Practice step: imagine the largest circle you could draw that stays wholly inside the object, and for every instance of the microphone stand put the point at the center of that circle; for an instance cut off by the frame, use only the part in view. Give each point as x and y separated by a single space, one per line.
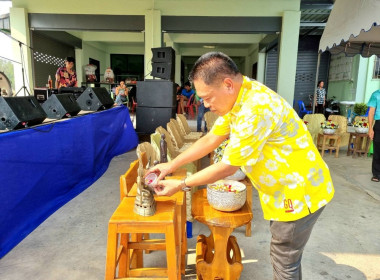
24 88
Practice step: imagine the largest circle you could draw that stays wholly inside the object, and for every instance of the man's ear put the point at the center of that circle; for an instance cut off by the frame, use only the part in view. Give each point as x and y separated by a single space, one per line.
229 85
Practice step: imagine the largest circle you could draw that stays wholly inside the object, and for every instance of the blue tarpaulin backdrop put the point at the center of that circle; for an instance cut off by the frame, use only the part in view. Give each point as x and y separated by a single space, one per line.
43 167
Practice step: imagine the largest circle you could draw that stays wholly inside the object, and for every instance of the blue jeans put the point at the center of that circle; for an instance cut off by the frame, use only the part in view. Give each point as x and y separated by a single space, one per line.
201 112
120 99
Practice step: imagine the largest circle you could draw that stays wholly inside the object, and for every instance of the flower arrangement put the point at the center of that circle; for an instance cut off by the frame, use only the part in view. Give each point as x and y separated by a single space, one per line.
329 125
361 123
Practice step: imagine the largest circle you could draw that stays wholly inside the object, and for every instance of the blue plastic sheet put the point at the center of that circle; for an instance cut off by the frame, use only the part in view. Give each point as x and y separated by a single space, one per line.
44 167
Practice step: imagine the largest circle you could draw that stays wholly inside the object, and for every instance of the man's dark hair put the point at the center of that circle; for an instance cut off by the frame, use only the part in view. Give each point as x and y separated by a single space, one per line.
70 59
213 66
187 84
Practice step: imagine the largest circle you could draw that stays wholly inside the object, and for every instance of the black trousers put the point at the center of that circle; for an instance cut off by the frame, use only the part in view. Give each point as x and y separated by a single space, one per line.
376 150
319 109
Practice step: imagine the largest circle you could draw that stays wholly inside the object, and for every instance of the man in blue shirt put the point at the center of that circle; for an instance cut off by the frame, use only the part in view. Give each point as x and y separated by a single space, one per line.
374 132
186 93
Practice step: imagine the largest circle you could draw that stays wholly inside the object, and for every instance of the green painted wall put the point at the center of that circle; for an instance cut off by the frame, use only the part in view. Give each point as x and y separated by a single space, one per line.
95 51
371 84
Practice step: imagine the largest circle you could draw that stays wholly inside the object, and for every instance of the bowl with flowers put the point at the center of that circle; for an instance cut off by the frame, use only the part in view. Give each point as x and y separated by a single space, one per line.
226 195
329 127
361 125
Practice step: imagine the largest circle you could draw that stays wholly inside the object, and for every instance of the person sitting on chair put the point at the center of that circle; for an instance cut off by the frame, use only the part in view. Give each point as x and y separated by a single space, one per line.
185 95
121 94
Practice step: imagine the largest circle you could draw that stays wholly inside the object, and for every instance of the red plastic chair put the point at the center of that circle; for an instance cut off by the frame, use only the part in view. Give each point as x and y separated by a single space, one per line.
134 105
191 106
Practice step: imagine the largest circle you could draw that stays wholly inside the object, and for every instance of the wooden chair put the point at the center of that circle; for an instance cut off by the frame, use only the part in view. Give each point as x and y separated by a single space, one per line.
172 147
128 179
178 141
184 126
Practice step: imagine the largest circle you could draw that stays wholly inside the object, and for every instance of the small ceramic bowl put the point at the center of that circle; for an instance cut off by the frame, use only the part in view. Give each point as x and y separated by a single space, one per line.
226 195
151 179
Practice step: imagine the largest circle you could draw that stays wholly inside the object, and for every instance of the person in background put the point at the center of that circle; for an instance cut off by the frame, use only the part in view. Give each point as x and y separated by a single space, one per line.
178 97
320 98
273 147
201 112
121 94
374 133
185 95
66 76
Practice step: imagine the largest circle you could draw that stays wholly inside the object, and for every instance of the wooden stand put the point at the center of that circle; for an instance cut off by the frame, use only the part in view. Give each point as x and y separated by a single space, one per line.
125 222
356 145
328 142
213 253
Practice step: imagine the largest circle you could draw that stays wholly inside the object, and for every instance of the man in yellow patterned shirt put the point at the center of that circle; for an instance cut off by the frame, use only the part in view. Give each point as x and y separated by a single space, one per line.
272 146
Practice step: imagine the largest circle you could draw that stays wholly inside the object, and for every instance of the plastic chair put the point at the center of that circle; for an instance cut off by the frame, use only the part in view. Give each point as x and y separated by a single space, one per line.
134 105
190 106
302 109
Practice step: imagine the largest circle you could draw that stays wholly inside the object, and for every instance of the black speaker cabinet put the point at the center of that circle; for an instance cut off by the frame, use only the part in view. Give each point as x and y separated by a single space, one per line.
20 112
165 55
94 99
149 118
156 93
60 106
163 70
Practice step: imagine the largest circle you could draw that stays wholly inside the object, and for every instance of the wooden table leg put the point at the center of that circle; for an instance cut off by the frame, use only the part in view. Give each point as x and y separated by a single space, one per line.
337 143
220 267
248 229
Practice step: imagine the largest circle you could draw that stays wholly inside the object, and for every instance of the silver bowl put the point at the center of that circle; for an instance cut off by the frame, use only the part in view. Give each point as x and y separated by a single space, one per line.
224 200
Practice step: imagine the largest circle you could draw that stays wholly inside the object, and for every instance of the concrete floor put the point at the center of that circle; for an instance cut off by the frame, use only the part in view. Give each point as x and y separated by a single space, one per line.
345 244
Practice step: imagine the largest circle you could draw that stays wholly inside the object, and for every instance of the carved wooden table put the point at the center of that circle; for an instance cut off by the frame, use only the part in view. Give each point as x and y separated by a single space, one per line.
324 142
360 144
213 253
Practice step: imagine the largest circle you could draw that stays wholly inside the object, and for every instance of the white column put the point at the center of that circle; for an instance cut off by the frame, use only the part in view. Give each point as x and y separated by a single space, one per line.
261 67
287 62
79 65
20 31
152 38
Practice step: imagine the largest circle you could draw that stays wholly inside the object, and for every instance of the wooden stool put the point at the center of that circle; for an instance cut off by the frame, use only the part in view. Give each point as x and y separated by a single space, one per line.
181 219
356 143
125 221
324 143
213 253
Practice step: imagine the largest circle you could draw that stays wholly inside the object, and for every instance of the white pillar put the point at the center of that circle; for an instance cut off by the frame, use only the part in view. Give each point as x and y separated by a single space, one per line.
79 65
152 38
287 63
20 31
261 67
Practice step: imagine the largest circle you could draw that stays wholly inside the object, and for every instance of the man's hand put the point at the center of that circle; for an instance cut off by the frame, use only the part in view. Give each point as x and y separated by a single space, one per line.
371 133
162 170
167 187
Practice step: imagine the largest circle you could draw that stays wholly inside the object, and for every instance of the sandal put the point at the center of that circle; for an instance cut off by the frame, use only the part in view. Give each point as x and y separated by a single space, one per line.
375 179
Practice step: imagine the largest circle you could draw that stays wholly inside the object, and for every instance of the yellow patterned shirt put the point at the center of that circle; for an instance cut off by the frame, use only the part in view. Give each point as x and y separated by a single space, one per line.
275 150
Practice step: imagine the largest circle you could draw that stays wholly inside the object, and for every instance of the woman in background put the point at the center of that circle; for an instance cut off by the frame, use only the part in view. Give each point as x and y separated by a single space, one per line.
121 94
320 98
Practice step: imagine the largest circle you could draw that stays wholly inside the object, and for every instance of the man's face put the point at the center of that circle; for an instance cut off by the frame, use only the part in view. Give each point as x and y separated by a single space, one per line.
187 88
69 65
215 96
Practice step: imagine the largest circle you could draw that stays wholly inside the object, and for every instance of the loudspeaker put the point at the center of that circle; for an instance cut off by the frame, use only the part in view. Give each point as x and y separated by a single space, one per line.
163 55
59 106
149 118
94 99
163 70
156 93
20 112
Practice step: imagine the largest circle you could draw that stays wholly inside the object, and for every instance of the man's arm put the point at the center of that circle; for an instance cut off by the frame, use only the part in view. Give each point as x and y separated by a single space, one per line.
199 149
371 117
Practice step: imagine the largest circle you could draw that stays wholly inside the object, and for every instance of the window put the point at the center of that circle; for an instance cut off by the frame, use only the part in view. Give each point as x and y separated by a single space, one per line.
376 69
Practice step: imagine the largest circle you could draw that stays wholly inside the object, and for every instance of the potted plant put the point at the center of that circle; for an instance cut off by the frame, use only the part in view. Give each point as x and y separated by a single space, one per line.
329 127
361 126
360 109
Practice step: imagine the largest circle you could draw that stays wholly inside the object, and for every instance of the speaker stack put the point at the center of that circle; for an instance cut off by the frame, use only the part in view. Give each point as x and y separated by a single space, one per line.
95 99
20 112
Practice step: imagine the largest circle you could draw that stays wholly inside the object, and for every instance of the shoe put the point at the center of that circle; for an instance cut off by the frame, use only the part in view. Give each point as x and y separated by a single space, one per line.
375 179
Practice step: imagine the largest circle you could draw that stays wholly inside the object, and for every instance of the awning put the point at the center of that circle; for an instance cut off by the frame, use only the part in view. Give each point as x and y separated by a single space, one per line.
353 28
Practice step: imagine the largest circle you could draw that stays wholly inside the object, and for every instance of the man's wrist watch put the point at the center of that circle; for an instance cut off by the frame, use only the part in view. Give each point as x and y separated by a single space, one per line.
183 185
